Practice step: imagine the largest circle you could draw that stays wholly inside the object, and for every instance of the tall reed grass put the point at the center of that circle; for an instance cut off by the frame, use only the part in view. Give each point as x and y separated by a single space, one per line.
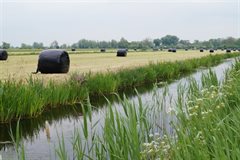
25 100
205 123
208 123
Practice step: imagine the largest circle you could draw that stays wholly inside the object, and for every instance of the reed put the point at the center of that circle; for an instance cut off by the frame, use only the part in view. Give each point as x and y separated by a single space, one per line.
205 123
27 100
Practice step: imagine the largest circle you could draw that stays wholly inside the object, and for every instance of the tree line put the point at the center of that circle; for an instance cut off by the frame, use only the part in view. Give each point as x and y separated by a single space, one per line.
168 41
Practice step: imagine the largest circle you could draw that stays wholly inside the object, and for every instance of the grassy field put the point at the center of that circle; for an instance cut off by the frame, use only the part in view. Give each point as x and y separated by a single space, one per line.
21 66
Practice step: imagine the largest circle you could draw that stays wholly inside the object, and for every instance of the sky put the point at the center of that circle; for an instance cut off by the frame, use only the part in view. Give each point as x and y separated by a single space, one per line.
67 21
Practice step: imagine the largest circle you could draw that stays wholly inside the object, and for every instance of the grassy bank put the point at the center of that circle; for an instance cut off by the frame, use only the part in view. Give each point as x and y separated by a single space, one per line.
205 126
210 128
20 99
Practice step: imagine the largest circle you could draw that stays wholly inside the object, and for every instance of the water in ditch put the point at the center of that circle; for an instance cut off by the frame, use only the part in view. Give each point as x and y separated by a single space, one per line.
63 121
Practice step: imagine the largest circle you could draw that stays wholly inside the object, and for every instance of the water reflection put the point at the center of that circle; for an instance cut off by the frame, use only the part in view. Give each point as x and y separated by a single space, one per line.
29 128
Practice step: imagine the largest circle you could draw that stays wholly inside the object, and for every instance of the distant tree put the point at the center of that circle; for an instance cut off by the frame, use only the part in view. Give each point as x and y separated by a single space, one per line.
75 45
92 44
215 43
169 40
5 45
184 44
114 44
230 42
164 42
148 43
83 43
54 44
63 46
237 43
123 43
197 44
134 45
37 45
157 42
25 46
145 44
103 44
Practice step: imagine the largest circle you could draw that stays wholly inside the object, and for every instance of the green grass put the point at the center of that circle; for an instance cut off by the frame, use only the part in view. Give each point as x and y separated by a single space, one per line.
25 100
206 125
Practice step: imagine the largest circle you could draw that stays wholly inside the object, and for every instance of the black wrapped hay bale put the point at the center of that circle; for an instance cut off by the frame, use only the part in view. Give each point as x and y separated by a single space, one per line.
73 49
228 50
3 55
174 50
170 50
201 50
186 49
102 50
122 53
211 50
53 61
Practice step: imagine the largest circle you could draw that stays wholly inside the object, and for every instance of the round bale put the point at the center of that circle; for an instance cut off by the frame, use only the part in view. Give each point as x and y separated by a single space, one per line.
73 49
174 50
211 50
228 50
102 50
122 53
170 50
3 55
201 50
53 61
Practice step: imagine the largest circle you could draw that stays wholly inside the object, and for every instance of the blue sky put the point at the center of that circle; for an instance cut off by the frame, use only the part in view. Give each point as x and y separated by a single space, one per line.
67 21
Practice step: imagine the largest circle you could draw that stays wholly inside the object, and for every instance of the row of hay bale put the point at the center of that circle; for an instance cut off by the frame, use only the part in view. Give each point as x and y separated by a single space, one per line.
58 61
201 50
49 61
55 61
103 50
172 50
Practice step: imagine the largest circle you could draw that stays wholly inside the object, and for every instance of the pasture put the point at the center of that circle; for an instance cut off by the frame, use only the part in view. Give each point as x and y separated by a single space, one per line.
20 66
